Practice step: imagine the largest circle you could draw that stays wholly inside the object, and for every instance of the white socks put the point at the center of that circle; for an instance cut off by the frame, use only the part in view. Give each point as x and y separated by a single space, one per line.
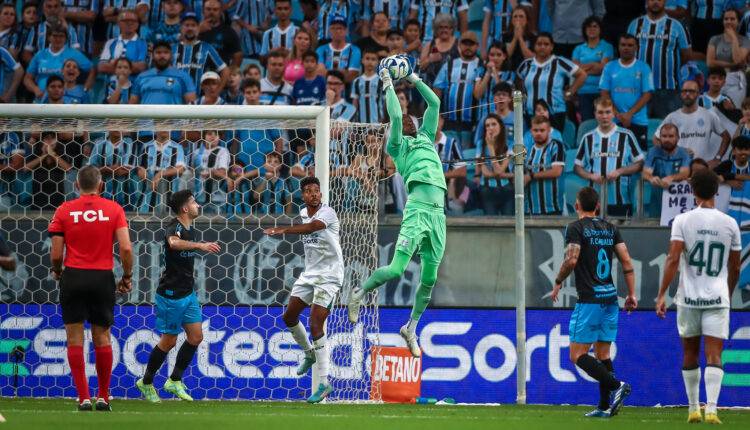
411 326
321 358
713 376
300 336
692 379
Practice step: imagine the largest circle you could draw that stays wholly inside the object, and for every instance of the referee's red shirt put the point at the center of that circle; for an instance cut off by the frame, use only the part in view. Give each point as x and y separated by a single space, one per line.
88 224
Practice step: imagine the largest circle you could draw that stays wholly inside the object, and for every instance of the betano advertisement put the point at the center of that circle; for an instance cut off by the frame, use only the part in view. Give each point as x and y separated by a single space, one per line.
468 355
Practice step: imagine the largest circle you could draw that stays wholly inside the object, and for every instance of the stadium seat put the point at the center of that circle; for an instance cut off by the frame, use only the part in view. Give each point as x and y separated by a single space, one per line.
476 16
570 158
584 128
653 124
569 135
571 184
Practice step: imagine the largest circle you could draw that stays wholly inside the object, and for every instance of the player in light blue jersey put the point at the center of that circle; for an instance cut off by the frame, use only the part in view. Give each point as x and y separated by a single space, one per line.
544 76
543 168
11 75
366 91
663 45
282 34
426 11
592 55
338 54
609 155
163 84
117 157
162 163
628 82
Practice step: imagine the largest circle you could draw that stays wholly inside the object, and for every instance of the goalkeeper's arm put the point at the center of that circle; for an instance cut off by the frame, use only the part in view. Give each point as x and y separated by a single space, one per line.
393 107
431 115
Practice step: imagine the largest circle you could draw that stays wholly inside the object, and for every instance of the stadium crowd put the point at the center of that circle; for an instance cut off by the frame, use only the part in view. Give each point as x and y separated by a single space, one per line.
617 94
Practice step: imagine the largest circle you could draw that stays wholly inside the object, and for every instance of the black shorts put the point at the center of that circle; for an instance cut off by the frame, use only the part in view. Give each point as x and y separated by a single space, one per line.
87 295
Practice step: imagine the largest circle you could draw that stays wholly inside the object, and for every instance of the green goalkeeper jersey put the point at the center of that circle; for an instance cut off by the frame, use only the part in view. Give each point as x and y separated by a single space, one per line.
415 157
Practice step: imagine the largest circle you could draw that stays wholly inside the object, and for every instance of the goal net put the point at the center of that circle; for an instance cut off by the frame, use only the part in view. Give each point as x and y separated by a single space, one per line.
244 165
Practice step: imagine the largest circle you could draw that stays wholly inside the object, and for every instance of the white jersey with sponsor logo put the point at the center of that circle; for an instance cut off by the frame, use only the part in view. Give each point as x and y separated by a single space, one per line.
323 257
709 235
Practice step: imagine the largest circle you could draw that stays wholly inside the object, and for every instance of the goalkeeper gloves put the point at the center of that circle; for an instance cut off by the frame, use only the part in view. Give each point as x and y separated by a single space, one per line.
385 76
412 77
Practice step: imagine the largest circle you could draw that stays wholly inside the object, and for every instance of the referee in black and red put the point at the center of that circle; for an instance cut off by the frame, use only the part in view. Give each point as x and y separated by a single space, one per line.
85 229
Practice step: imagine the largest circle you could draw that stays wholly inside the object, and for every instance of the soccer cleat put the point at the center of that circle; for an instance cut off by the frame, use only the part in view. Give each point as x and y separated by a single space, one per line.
85 406
321 393
411 341
148 391
355 302
103 405
306 364
619 397
178 389
694 417
598 413
712 419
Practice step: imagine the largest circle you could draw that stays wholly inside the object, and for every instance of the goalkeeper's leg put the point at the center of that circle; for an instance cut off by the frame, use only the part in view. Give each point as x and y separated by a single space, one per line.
421 300
379 277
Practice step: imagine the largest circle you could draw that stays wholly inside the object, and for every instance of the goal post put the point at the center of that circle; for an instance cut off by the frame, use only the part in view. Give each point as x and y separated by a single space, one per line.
247 352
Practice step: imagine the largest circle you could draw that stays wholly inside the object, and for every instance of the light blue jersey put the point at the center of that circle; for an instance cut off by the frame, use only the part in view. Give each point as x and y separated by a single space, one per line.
660 44
428 9
396 10
545 195
8 67
45 63
585 54
83 31
274 38
456 79
135 49
367 91
546 81
347 58
626 84
166 87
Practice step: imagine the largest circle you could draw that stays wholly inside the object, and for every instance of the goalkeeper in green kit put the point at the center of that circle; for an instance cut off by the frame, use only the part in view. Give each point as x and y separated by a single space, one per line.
423 223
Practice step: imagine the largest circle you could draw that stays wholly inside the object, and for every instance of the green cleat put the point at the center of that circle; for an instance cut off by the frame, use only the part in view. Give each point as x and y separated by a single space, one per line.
306 364
148 391
323 391
178 389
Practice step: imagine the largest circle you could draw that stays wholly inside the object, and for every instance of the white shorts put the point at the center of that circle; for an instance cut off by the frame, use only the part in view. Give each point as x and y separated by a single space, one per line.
311 291
692 322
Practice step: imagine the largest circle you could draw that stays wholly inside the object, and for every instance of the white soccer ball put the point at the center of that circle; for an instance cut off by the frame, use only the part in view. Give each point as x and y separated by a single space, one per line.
398 66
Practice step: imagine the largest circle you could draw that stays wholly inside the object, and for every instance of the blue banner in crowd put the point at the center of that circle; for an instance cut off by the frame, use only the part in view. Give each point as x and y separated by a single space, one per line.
468 355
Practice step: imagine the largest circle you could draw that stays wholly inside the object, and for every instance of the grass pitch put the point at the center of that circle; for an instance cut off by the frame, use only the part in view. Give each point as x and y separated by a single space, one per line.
60 414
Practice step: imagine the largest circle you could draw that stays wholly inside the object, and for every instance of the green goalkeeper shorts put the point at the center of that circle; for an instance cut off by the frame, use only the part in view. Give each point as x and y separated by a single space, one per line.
423 227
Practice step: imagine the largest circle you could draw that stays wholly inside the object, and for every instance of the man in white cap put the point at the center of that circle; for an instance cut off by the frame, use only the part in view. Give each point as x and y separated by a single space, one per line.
210 89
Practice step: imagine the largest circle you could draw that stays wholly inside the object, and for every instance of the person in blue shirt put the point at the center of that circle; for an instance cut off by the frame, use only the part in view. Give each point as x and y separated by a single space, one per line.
311 88
628 82
494 72
494 176
117 158
11 75
127 45
609 155
38 38
366 92
282 34
329 11
341 110
254 18
397 12
80 15
195 56
119 85
542 171
163 84
502 106
339 54
169 28
162 163
664 45
75 93
541 108
665 165
49 61
544 76
591 56
426 10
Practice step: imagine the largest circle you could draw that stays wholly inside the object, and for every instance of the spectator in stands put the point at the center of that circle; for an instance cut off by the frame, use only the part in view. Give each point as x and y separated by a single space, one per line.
413 38
8 34
13 153
492 74
274 90
729 50
378 38
735 172
29 21
519 38
543 169
678 9
294 69
713 97
427 11
49 165
609 155
161 165
37 39
149 87
706 22
569 18
664 45
743 128
327 12
49 61
628 82
54 92
541 108
665 164
395 42
502 106
440 49
494 176
696 126
117 157
119 85
11 75
127 45
367 96
80 15
270 189
194 56
168 29
311 88
496 21
338 54
219 33
232 92
210 180
340 109
210 90
252 71
455 85
282 34
75 93
591 56
544 77
396 11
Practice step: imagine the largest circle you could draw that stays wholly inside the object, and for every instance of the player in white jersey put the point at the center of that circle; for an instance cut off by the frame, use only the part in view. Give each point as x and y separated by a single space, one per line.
318 284
706 244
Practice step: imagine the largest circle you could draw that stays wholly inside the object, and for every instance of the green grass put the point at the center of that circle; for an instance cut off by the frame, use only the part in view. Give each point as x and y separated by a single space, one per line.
60 414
